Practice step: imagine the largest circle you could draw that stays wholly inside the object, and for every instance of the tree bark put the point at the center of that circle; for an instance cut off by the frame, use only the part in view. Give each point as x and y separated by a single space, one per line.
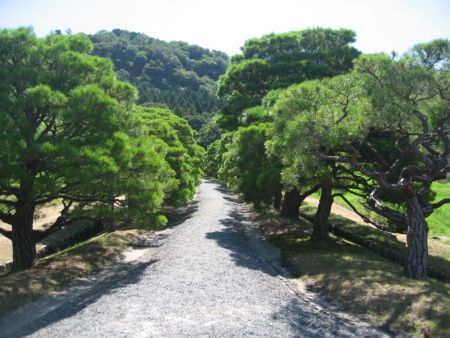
291 204
416 238
320 230
110 220
24 246
277 200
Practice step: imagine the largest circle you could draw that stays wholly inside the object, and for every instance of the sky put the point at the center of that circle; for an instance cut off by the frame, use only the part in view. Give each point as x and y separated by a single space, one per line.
380 25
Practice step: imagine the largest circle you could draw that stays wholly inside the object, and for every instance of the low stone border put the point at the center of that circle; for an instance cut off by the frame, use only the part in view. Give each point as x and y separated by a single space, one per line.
381 250
65 238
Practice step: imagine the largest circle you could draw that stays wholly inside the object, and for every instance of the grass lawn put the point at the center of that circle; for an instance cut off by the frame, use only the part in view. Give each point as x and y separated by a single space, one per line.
438 251
438 222
361 282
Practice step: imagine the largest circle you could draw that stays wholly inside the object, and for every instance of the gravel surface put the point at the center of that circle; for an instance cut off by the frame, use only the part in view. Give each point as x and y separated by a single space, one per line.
206 275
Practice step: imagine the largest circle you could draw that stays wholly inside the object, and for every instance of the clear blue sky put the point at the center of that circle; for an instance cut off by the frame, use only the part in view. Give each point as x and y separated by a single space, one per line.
380 25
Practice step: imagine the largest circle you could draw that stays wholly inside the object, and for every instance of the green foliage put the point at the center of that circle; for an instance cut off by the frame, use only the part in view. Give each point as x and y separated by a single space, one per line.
246 166
280 60
182 153
438 219
392 111
60 113
307 121
214 155
173 75
209 133
252 84
70 130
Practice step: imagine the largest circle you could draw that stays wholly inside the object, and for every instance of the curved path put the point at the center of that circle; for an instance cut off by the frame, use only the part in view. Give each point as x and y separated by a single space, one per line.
207 276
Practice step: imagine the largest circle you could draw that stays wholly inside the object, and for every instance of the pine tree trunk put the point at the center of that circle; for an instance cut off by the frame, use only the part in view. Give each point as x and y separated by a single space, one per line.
24 246
320 230
277 200
111 221
291 204
417 241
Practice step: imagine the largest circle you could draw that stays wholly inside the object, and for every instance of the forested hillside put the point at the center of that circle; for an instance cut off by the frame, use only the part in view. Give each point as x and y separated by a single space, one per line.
172 75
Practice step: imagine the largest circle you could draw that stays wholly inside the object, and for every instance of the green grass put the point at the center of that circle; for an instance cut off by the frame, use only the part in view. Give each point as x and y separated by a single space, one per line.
439 255
438 222
359 281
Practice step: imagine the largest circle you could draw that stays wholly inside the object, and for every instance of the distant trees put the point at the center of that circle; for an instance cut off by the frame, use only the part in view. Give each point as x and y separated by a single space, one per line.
70 131
173 75
279 60
252 85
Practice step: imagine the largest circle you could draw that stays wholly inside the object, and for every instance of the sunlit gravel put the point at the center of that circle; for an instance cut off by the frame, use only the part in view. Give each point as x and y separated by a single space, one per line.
200 277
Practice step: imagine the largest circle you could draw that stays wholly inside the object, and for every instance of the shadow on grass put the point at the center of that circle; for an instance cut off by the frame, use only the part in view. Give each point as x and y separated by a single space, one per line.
272 224
363 283
439 263
375 287
56 271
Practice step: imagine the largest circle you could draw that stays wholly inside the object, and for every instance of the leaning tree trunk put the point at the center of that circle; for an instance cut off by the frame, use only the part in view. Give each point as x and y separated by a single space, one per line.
291 204
417 241
320 230
24 246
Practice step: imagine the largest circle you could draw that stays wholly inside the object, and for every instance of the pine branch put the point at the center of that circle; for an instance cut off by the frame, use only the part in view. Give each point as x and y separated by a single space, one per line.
375 204
6 233
6 218
440 203
7 202
363 217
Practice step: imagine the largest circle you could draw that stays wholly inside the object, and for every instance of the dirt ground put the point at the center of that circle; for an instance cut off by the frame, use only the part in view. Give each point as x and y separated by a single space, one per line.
338 210
44 218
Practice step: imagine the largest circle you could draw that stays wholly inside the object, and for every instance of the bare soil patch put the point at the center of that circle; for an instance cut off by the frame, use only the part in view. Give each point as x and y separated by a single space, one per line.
344 212
43 219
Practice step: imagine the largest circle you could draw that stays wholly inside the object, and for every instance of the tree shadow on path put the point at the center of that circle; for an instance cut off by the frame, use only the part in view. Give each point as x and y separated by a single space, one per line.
234 236
107 282
182 214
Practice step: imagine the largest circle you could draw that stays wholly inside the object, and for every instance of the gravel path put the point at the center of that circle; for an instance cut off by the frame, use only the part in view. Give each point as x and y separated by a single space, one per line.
207 275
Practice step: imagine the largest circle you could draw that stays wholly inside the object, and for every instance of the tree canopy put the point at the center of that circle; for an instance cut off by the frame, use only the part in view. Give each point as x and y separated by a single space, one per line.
70 131
388 120
182 153
279 60
379 130
253 83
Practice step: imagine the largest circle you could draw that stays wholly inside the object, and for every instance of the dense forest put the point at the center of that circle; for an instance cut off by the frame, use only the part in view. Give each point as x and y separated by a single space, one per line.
172 75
